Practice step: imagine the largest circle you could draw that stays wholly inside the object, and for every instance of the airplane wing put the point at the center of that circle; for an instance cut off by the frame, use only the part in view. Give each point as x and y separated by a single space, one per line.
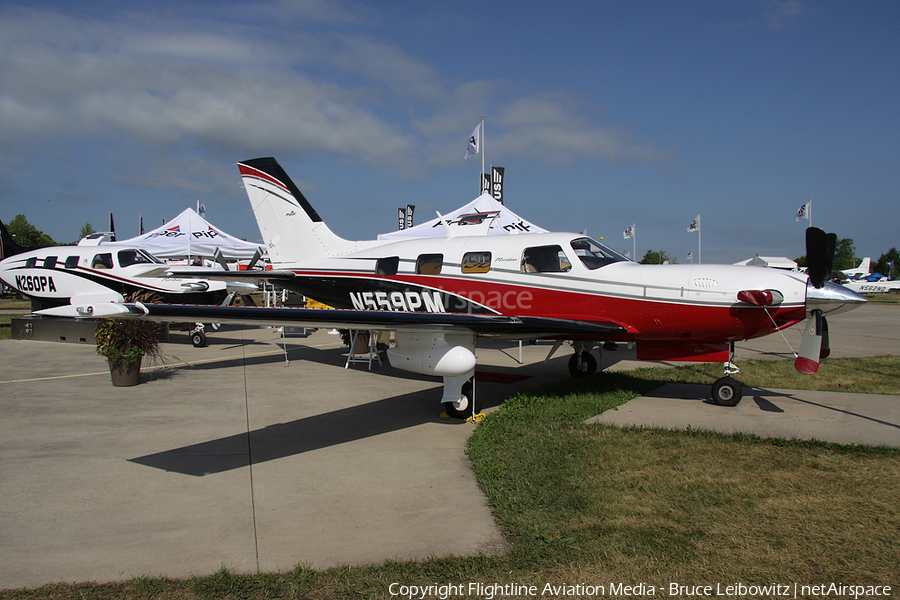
485 325
219 274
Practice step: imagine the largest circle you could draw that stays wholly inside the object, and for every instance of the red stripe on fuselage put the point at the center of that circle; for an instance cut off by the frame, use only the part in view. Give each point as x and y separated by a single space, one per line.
644 319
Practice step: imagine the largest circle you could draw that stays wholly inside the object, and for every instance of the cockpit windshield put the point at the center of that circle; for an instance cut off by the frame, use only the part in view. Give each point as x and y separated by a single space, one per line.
134 256
594 254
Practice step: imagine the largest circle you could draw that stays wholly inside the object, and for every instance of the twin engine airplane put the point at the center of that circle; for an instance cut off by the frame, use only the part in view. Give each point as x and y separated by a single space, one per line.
61 276
439 295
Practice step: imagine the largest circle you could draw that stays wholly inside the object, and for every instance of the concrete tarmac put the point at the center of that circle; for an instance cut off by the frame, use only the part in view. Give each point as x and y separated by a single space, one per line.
232 456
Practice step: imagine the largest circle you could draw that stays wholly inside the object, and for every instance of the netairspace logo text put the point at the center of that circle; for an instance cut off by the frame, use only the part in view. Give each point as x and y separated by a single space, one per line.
490 591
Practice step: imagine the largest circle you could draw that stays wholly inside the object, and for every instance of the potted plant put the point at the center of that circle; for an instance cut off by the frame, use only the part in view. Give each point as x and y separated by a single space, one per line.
124 342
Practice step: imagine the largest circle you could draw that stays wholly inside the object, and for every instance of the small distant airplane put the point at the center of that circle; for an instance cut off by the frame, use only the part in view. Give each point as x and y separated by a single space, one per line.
863 283
438 295
59 276
863 286
864 268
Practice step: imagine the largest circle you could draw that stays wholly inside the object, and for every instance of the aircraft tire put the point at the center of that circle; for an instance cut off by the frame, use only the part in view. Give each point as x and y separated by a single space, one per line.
463 408
727 392
198 339
587 367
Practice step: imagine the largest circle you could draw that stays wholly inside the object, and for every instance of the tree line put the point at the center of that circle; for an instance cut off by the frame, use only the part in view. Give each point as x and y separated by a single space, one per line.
28 236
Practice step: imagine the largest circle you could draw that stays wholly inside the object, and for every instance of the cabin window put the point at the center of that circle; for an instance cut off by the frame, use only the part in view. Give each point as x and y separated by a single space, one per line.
476 262
50 262
387 266
545 259
594 254
71 262
102 261
429 264
134 257
31 262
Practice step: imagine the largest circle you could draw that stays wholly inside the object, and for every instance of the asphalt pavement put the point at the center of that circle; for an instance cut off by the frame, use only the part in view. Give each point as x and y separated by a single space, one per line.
259 453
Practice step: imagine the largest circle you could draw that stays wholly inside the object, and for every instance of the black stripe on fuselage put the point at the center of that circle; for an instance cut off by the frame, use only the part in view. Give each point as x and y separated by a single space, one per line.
117 284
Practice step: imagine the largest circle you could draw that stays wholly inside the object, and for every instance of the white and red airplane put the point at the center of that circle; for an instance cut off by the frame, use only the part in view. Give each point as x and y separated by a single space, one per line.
438 295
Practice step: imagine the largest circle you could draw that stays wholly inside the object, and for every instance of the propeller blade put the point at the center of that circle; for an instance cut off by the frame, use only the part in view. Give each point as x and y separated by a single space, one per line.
816 256
217 255
830 247
811 346
256 256
825 352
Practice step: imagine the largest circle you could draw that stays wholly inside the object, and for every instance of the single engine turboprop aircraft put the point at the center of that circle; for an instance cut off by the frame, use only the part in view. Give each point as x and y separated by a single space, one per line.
438 295
59 276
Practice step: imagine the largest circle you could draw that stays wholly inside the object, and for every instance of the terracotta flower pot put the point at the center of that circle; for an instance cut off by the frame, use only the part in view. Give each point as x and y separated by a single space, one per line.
125 373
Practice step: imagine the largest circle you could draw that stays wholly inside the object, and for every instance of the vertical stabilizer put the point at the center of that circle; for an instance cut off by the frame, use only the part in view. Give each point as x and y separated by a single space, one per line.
8 246
865 267
291 228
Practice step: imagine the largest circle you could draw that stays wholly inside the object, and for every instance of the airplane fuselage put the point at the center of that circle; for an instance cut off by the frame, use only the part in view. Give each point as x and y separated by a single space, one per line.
60 275
555 276
861 286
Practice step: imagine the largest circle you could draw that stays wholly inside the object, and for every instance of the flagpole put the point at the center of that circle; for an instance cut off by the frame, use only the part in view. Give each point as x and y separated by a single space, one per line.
634 242
699 241
482 150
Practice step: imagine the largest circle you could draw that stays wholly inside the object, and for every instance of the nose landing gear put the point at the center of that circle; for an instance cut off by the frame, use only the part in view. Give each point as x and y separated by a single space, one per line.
727 391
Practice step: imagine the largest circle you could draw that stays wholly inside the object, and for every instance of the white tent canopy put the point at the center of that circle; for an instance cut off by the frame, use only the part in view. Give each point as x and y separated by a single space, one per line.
191 236
776 262
506 222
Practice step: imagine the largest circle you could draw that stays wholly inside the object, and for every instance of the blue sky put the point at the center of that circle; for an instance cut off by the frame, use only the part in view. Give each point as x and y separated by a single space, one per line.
603 113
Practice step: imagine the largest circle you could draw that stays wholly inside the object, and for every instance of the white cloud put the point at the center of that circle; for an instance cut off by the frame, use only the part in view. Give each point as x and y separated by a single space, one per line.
161 85
782 13
169 81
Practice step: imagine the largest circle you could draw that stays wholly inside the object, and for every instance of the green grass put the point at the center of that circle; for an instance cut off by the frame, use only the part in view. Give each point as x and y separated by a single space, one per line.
892 298
598 505
870 375
6 320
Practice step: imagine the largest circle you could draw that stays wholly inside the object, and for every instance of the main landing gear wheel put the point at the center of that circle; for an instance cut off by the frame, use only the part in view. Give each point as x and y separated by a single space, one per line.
582 365
727 392
198 339
462 408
